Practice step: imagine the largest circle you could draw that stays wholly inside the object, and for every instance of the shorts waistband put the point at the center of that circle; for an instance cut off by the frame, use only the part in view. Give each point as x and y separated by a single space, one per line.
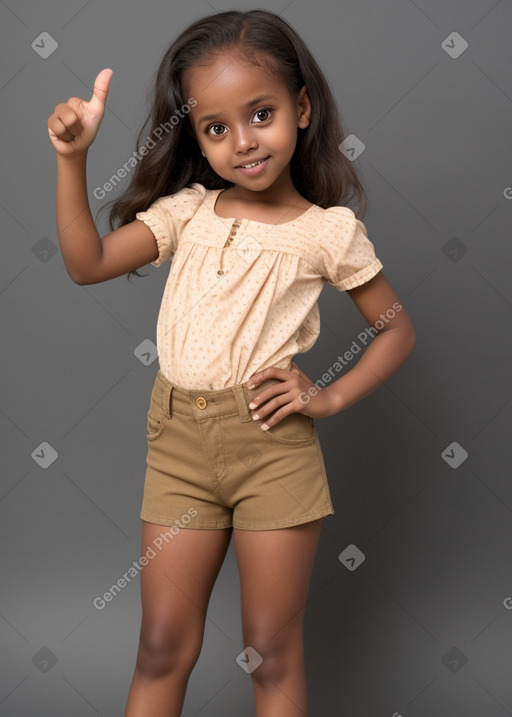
208 403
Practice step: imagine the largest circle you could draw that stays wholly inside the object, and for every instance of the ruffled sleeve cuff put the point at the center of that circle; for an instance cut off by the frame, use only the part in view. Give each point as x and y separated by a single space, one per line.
360 277
155 219
347 255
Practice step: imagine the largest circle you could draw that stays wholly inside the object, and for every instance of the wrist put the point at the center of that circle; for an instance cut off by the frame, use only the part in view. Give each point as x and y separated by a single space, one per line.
68 159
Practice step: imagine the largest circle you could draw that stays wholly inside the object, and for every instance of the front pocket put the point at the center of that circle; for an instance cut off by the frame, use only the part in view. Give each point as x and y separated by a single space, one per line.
297 429
155 426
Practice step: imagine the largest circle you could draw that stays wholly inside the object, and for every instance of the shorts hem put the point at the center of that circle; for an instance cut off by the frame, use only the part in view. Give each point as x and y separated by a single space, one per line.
174 522
259 525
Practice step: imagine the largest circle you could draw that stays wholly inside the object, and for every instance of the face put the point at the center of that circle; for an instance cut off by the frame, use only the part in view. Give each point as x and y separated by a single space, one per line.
246 127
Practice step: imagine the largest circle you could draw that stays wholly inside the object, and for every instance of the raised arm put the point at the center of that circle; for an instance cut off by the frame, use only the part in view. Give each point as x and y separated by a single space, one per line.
88 258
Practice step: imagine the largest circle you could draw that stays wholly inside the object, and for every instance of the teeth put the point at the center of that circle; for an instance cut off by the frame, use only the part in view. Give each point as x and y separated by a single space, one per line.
254 164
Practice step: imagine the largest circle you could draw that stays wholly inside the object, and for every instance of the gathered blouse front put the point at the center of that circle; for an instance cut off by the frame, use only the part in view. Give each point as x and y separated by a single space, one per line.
241 295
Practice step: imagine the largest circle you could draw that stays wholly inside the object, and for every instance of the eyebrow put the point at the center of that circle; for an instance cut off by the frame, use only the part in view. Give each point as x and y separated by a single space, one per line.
251 103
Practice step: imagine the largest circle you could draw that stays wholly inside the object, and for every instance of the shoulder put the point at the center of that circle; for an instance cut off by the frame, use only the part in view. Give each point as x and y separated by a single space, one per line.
169 214
189 195
346 255
338 217
195 189
339 225
176 208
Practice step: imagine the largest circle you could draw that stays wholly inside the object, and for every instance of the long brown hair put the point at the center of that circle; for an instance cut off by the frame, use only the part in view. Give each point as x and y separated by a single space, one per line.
319 170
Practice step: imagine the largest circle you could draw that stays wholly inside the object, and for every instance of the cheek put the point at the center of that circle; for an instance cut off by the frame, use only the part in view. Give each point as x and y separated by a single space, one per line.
215 154
284 134
284 145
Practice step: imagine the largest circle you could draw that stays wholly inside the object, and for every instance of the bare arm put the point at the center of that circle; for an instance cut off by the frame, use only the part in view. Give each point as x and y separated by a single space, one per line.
389 349
88 259
79 240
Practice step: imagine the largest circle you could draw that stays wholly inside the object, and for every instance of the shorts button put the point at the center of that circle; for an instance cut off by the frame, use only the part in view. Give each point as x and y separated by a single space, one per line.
201 402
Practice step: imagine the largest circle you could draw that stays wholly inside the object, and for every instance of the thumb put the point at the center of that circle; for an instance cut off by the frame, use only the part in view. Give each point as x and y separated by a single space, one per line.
295 369
101 85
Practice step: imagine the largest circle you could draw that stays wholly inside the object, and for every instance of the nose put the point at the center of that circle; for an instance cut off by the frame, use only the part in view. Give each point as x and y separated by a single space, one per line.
244 139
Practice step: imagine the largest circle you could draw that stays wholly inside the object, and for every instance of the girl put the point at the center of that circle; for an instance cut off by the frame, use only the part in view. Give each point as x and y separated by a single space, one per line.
242 183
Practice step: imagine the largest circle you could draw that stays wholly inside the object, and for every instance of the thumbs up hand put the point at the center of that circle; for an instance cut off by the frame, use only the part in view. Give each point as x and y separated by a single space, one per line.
74 124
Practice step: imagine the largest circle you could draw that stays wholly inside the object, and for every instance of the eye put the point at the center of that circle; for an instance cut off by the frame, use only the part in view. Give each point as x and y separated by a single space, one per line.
212 126
267 110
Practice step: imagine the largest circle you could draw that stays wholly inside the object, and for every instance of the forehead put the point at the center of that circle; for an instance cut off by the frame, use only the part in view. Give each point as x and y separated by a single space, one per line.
227 82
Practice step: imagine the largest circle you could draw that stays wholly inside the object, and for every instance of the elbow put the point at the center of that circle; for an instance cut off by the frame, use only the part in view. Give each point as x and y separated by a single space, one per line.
75 276
405 338
80 280
77 279
410 340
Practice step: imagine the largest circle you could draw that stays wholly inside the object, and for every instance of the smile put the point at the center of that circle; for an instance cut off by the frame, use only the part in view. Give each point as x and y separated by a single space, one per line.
253 164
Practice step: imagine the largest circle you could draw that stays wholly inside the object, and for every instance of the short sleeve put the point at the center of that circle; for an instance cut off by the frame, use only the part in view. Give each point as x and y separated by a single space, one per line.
347 255
167 216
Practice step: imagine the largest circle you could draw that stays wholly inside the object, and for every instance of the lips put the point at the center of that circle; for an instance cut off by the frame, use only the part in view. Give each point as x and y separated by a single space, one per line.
252 161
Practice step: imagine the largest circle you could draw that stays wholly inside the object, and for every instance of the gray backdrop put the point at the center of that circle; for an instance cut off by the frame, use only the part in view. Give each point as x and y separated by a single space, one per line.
421 626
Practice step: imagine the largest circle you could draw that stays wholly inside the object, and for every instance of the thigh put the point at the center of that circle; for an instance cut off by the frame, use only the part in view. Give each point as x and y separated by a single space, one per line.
275 571
176 583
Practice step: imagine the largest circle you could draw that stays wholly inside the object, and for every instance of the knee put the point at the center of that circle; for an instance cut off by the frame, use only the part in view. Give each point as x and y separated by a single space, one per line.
162 652
280 656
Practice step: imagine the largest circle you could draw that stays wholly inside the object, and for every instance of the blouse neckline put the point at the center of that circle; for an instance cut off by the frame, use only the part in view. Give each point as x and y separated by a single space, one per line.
215 194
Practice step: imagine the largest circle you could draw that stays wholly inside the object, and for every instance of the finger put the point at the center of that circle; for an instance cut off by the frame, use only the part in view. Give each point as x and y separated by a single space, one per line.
59 129
273 419
270 372
101 87
262 405
66 116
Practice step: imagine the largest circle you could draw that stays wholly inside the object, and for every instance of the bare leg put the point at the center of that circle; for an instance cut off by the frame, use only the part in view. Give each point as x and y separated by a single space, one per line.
275 571
175 588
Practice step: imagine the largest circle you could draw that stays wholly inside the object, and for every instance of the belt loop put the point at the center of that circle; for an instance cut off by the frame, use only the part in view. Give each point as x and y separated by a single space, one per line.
243 409
167 400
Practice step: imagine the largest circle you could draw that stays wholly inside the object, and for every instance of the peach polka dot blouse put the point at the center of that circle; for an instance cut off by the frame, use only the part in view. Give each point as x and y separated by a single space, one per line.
241 295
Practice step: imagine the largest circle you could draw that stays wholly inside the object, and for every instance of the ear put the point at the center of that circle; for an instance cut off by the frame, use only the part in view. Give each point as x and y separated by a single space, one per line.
303 108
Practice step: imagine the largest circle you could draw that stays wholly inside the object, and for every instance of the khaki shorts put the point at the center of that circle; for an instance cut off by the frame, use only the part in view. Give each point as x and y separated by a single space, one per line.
209 464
